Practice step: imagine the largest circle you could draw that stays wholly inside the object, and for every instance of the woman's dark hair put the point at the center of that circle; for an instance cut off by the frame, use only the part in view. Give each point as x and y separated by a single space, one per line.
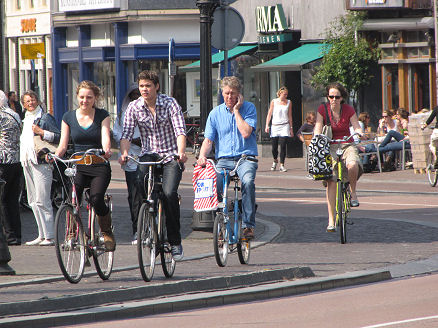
338 86
403 113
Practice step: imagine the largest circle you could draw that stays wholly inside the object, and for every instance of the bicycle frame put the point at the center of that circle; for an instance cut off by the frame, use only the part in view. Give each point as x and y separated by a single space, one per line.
233 233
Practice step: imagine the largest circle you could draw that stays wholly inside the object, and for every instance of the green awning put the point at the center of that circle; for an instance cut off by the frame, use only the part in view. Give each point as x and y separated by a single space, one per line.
293 60
219 57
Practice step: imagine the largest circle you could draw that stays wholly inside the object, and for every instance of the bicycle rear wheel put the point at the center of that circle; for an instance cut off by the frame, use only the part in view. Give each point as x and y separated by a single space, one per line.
70 244
167 261
340 212
103 261
432 173
146 242
220 239
243 245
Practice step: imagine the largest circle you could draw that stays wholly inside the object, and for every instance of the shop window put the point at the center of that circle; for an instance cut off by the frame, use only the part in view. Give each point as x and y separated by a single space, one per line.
387 53
424 52
412 52
411 36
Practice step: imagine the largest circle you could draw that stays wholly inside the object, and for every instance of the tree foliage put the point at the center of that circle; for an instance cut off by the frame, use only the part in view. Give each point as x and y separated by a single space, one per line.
349 56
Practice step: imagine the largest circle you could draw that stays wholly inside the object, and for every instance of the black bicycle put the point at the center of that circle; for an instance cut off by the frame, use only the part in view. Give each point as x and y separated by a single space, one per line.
151 226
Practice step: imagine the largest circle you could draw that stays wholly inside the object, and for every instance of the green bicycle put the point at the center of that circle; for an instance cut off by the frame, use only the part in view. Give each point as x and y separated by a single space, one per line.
343 196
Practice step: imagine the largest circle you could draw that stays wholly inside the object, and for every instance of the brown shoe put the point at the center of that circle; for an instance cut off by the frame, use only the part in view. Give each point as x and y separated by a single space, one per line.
109 241
248 233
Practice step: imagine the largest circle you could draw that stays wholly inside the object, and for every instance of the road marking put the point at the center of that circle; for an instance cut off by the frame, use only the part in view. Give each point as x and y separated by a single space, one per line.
304 200
402 321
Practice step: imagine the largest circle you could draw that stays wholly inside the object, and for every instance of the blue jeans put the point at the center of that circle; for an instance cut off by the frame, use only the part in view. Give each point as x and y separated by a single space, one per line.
387 146
246 173
172 173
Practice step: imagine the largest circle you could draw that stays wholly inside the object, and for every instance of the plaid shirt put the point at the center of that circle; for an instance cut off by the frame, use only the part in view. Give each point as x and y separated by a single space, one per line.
10 130
158 134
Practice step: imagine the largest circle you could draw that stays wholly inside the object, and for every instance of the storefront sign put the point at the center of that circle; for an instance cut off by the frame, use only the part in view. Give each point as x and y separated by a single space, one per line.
32 51
362 4
274 38
28 25
270 19
81 5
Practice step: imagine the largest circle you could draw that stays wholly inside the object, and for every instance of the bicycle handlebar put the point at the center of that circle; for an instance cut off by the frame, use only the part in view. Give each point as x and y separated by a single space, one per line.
344 139
92 151
233 171
161 161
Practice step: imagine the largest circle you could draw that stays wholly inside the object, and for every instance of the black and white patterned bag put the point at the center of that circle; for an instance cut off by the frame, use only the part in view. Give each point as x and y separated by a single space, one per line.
320 160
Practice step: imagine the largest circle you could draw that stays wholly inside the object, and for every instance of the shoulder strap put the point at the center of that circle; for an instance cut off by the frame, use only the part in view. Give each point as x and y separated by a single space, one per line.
327 115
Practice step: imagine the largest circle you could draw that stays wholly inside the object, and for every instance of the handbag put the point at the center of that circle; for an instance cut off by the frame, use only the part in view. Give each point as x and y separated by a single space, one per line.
320 159
327 128
43 146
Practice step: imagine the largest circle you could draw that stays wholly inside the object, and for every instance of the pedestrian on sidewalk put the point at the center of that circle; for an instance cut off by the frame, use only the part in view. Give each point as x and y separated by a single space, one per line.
280 111
341 116
130 168
37 173
5 255
89 127
10 171
162 132
231 127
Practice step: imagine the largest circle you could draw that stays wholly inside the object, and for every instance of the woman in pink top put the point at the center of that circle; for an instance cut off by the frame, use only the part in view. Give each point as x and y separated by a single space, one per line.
341 116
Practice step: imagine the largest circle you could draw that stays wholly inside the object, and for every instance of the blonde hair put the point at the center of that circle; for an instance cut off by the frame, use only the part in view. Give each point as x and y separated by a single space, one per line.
282 89
90 86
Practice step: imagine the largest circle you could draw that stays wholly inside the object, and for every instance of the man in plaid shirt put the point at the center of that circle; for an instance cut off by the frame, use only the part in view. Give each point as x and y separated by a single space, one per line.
162 132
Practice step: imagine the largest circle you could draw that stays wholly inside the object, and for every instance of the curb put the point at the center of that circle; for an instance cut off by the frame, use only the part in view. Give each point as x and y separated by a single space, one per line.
195 301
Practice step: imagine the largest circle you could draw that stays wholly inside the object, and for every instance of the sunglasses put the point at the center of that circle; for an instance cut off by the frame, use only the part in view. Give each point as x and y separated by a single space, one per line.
336 97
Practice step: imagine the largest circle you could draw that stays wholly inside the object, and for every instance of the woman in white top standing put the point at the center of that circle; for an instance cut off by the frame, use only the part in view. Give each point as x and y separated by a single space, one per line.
280 111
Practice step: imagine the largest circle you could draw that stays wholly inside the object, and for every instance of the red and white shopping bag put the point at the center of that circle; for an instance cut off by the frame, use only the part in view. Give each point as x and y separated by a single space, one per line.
204 185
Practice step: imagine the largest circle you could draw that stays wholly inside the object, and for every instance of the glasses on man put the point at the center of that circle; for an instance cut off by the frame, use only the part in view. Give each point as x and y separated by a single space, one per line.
384 116
335 97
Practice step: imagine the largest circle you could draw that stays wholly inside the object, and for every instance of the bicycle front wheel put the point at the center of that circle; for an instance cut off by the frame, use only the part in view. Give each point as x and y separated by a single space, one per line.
340 212
243 245
103 260
146 242
432 173
220 239
70 244
167 261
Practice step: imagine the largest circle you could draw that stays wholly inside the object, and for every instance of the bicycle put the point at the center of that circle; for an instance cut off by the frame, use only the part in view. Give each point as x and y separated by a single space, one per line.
72 243
151 226
227 228
343 196
432 172
194 137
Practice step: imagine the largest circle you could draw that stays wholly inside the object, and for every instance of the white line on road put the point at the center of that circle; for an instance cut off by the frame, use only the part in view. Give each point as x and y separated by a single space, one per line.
304 200
402 321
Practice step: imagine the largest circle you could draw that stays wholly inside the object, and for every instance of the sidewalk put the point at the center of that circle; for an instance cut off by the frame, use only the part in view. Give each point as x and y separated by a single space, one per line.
280 244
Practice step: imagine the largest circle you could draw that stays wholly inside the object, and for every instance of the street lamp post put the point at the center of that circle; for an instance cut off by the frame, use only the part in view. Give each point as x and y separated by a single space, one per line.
206 8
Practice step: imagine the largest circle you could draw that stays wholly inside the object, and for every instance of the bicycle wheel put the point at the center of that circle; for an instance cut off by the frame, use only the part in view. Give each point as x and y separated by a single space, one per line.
70 244
243 245
146 242
167 261
340 213
432 173
220 239
103 261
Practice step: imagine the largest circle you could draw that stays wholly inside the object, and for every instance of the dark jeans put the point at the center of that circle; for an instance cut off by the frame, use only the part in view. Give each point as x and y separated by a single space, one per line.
5 255
172 174
134 198
9 203
282 141
97 177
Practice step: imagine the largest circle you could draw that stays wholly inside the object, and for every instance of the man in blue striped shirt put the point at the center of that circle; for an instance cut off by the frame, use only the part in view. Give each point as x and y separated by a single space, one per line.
162 132
231 127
